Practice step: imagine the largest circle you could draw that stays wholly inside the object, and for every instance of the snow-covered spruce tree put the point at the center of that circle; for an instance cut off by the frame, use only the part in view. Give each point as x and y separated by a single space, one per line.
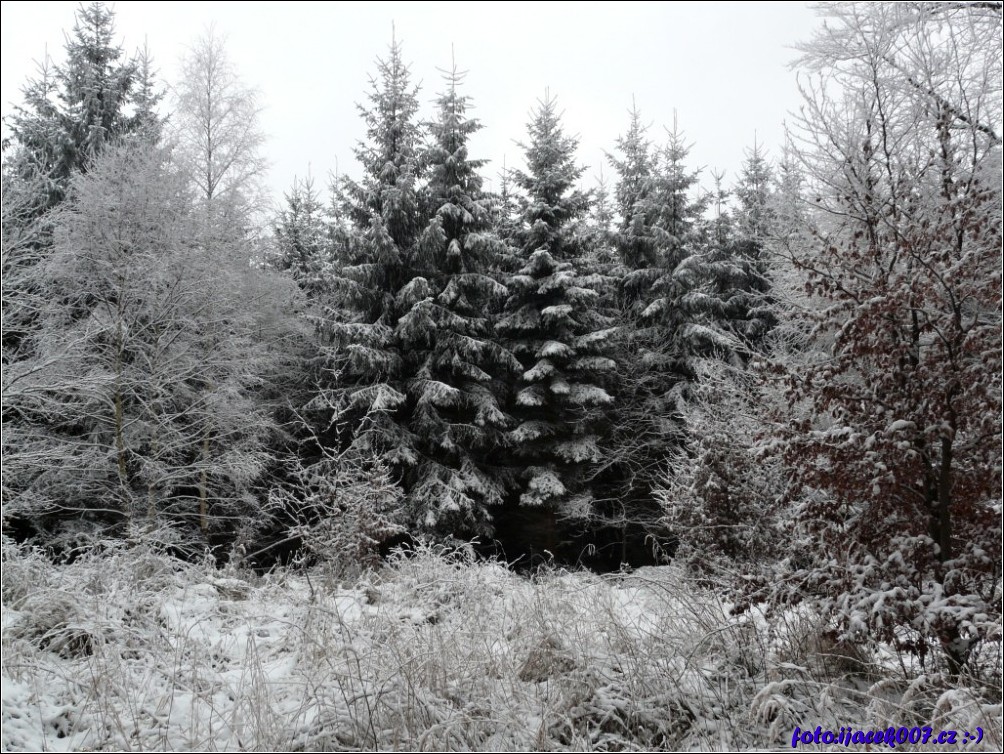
552 325
657 239
456 417
719 495
504 205
750 316
372 348
755 213
896 467
634 168
601 235
674 219
301 236
137 405
412 326
146 98
72 111
69 112
731 296
33 159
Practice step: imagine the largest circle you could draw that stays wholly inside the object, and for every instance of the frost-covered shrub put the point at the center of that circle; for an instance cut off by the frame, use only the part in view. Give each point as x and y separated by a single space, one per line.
343 506
25 569
896 467
721 495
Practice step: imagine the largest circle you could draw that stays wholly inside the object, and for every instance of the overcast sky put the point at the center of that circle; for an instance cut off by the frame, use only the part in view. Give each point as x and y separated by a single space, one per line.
722 67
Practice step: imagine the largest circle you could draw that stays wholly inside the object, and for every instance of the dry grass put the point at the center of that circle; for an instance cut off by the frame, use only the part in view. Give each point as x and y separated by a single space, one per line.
132 651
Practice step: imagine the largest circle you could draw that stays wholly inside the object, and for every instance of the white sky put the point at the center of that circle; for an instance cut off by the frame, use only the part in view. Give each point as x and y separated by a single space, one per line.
721 66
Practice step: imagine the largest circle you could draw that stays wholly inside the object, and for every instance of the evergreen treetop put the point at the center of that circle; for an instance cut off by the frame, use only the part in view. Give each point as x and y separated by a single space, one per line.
74 109
553 326
548 183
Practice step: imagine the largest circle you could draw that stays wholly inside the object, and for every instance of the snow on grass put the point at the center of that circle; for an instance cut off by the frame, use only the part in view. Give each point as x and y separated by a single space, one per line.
130 650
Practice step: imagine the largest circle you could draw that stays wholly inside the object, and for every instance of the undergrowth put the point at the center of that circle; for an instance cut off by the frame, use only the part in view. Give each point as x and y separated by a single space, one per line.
131 650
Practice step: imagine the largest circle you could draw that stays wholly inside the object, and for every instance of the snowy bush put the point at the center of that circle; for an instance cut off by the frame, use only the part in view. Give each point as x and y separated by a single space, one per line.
343 507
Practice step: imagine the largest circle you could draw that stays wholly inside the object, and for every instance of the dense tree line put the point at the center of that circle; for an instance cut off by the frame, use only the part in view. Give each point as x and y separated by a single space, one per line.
811 355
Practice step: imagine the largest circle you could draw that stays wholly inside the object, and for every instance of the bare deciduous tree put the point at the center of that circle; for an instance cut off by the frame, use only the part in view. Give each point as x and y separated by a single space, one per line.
217 124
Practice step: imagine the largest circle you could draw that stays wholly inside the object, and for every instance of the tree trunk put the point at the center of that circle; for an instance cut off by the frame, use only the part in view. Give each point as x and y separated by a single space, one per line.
203 484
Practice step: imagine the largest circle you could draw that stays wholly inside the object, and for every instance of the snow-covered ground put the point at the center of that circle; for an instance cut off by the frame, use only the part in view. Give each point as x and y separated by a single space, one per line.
131 650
